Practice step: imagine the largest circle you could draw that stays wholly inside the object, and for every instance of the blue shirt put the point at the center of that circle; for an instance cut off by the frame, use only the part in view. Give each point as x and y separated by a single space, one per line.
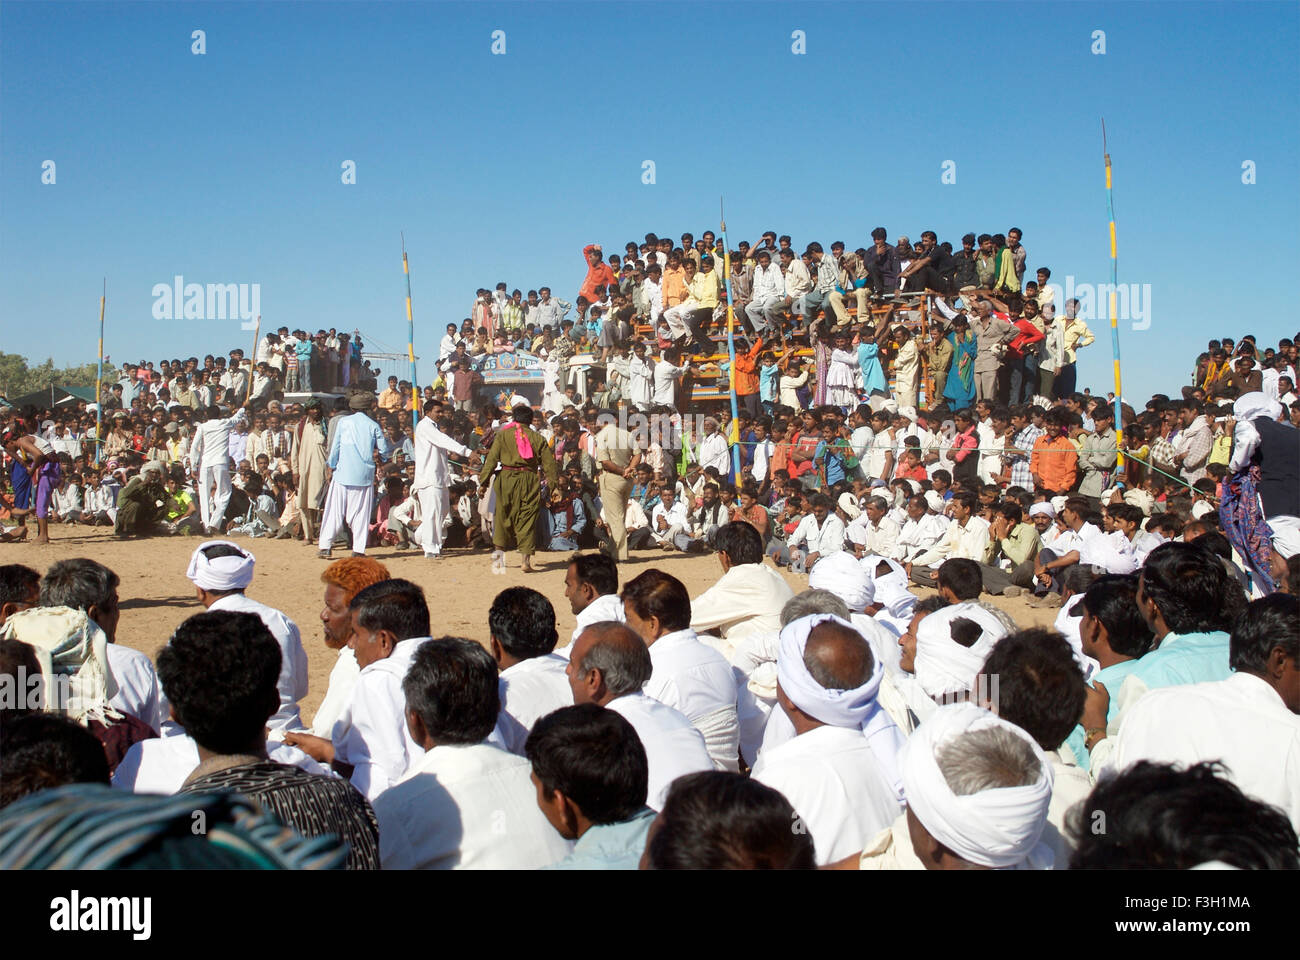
768 379
352 451
1184 658
834 463
1111 678
610 846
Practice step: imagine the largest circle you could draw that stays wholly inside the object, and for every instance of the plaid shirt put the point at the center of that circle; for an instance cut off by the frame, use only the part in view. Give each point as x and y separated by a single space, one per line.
1020 473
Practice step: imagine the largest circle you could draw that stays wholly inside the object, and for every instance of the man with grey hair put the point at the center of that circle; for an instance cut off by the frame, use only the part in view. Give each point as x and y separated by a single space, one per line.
992 333
609 665
875 531
82 584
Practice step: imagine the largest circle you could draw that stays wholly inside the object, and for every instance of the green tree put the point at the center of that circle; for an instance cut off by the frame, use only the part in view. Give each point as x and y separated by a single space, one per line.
18 377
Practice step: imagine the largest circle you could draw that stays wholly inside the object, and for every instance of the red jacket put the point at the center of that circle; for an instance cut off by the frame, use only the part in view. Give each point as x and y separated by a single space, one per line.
1028 336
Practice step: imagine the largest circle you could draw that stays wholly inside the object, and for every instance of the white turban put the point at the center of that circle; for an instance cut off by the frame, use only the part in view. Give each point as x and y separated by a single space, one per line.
849 504
1251 406
999 827
1058 503
840 708
944 666
1043 509
891 589
223 573
1201 507
935 501
1286 535
842 575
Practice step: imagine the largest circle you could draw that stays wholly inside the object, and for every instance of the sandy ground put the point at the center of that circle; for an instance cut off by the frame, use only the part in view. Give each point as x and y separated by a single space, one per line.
156 597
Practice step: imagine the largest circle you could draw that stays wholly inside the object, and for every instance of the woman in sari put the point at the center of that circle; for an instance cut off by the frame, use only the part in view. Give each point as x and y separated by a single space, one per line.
960 389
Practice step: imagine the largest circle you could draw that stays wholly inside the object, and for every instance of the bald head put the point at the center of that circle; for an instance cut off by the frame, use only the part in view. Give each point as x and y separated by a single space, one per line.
608 660
838 657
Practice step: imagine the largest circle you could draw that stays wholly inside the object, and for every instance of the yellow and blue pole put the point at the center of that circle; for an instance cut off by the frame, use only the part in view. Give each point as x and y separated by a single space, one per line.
410 339
731 345
99 379
1114 316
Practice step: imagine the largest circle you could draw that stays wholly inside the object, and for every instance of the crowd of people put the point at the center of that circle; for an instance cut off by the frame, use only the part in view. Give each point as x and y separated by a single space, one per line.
892 713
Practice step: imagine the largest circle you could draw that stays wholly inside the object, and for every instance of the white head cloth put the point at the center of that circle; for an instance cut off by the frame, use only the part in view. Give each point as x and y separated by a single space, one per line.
840 708
1286 535
1043 509
223 573
999 828
891 589
68 644
943 665
1250 406
842 575
935 501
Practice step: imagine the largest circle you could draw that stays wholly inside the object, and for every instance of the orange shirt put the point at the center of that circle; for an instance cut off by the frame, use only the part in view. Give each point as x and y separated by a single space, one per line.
1056 463
674 287
747 370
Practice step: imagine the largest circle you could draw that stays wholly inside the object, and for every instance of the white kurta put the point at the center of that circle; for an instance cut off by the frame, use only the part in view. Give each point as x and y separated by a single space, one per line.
697 681
608 606
830 777
531 689
293 658
465 808
377 743
673 747
162 765
337 706
746 599
1240 721
432 477
139 692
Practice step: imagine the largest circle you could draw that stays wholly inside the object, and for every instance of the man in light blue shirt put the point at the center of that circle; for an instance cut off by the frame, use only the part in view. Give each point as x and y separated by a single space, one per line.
351 463
591 774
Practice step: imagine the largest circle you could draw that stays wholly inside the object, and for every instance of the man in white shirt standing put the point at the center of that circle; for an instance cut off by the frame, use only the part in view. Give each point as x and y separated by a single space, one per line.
666 376
841 770
211 451
521 626
609 666
432 476
220 572
465 804
688 675
1248 722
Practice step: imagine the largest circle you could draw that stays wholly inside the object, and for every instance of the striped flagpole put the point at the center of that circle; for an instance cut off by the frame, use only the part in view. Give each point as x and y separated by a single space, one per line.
410 339
731 342
99 379
1114 316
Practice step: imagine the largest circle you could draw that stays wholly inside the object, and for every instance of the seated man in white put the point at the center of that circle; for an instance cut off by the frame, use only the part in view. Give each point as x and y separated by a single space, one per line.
1248 722
591 587
747 598
390 620
978 789
521 626
609 667
688 675
221 571
464 804
840 770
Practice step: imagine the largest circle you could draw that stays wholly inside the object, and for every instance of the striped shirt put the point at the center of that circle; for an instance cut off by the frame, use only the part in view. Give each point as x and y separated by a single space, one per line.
1020 473
311 804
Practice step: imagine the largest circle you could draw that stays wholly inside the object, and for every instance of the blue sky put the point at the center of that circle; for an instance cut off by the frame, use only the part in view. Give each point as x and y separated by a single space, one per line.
225 167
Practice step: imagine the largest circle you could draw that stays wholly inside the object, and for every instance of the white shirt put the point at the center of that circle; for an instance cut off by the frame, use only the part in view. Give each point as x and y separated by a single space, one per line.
695 679
665 375
918 536
769 284
746 599
337 706
608 606
161 765
673 747
881 540
376 742
881 445
763 450
676 517
715 453
293 658
821 540
211 445
967 542
431 449
830 777
530 689
860 440
466 808
1241 721
138 691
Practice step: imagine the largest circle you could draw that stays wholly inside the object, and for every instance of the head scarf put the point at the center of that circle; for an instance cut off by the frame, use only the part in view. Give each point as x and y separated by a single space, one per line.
891 589
1043 509
223 573
999 828
68 644
849 504
840 708
934 500
842 575
944 666
1286 535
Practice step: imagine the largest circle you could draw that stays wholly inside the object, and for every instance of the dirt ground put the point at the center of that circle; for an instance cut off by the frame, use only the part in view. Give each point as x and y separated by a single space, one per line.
156 597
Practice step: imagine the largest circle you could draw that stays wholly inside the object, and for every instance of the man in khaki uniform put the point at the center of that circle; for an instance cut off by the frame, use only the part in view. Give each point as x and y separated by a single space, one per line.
617 457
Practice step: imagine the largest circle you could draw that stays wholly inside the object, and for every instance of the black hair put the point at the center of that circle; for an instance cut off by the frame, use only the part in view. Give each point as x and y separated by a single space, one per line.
1192 591
43 751
1040 688
724 821
80 583
597 569
397 606
594 757
220 672
523 622
1156 816
17 583
1011 510
1265 624
962 577
452 687
740 542
656 594
1112 599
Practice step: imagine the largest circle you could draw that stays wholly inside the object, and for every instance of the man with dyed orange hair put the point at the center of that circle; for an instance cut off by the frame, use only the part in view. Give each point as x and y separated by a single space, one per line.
343 580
